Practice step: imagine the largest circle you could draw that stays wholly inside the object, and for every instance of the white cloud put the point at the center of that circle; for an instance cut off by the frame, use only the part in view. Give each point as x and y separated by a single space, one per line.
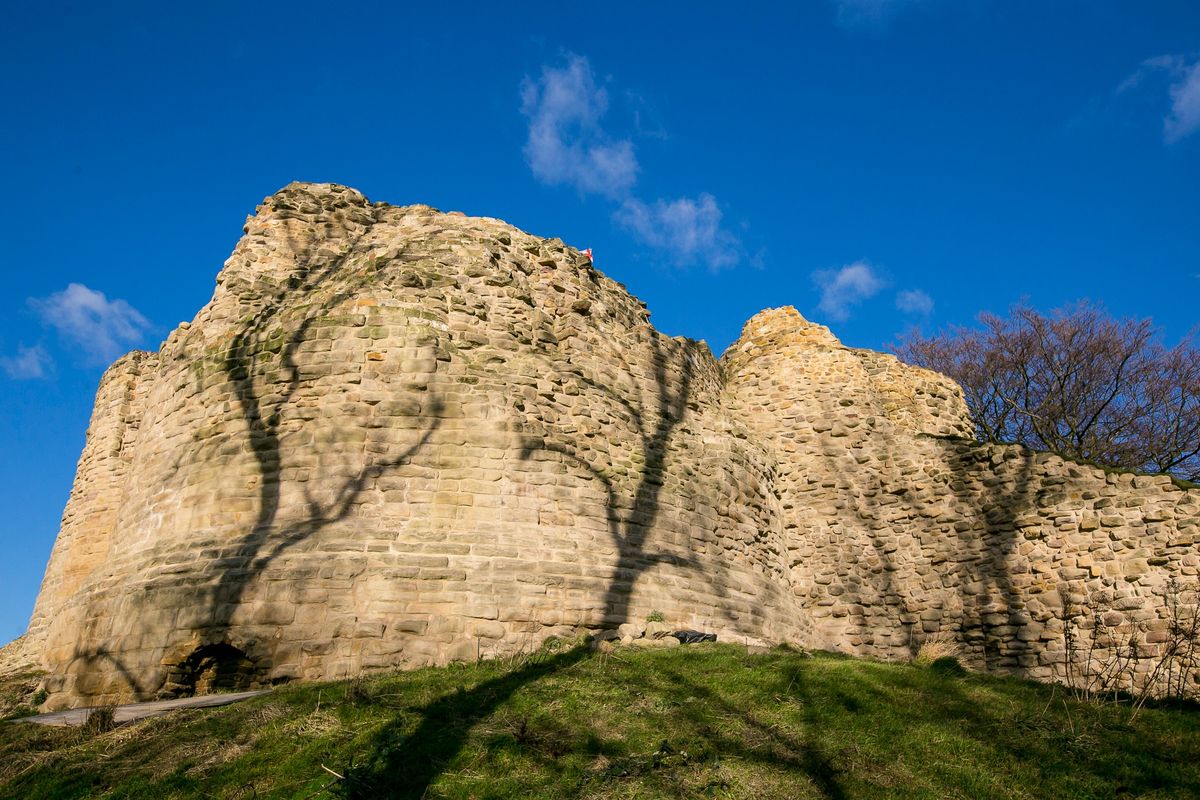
566 143
1183 118
846 287
914 301
689 229
28 363
103 328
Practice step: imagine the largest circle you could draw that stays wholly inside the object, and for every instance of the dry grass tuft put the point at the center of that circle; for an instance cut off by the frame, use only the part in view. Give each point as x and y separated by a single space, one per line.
261 717
130 732
318 723
213 757
99 720
939 645
19 694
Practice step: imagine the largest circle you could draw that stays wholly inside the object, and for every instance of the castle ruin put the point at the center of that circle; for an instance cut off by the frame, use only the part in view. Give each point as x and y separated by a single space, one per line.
397 437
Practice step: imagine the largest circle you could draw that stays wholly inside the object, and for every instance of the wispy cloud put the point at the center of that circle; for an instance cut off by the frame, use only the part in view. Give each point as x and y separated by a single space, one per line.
689 229
842 289
914 301
102 328
567 144
1183 91
1147 68
27 364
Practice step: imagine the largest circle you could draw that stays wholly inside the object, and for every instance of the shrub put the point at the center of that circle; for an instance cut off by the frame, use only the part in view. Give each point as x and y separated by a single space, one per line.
1112 661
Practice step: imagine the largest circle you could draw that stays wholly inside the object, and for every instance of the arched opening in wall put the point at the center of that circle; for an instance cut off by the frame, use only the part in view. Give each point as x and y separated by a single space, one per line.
213 668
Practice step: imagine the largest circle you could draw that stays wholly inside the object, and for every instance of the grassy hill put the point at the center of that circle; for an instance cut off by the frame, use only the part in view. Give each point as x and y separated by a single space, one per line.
695 721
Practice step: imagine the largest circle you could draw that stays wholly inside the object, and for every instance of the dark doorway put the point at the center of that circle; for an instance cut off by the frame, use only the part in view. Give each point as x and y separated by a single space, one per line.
213 668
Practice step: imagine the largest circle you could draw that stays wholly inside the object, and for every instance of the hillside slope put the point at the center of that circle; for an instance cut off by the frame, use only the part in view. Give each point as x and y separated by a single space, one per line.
696 721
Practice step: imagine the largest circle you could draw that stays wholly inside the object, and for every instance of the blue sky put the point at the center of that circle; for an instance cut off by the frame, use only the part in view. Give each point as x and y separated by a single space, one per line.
878 164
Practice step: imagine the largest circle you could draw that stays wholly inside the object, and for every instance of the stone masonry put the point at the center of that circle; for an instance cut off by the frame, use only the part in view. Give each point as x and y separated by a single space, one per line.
398 437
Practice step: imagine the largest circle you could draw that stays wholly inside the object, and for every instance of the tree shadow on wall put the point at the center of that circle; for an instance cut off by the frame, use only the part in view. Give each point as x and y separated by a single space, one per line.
85 659
265 346
863 493
263 406
994 619
403 765
918 543
977 568
628 531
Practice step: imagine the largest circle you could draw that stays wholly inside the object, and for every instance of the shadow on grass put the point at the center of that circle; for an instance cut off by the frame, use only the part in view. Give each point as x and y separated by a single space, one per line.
986 734
776 747
404 766
717 728
709 721
842 729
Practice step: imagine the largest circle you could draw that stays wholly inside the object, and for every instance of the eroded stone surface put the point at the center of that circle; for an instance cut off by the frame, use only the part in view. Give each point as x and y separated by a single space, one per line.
401 437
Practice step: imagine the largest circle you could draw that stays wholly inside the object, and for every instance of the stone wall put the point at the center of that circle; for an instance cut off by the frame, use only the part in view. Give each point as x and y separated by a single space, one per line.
900 527
398 437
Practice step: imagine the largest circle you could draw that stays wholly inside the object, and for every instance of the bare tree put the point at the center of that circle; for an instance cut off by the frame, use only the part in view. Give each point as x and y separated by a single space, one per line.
1077 382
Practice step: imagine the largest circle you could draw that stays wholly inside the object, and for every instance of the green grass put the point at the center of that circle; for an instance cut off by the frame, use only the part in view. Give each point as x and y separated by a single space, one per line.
696 721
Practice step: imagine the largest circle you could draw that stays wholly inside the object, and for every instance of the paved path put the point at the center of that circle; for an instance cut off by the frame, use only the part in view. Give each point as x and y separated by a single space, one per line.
134 711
